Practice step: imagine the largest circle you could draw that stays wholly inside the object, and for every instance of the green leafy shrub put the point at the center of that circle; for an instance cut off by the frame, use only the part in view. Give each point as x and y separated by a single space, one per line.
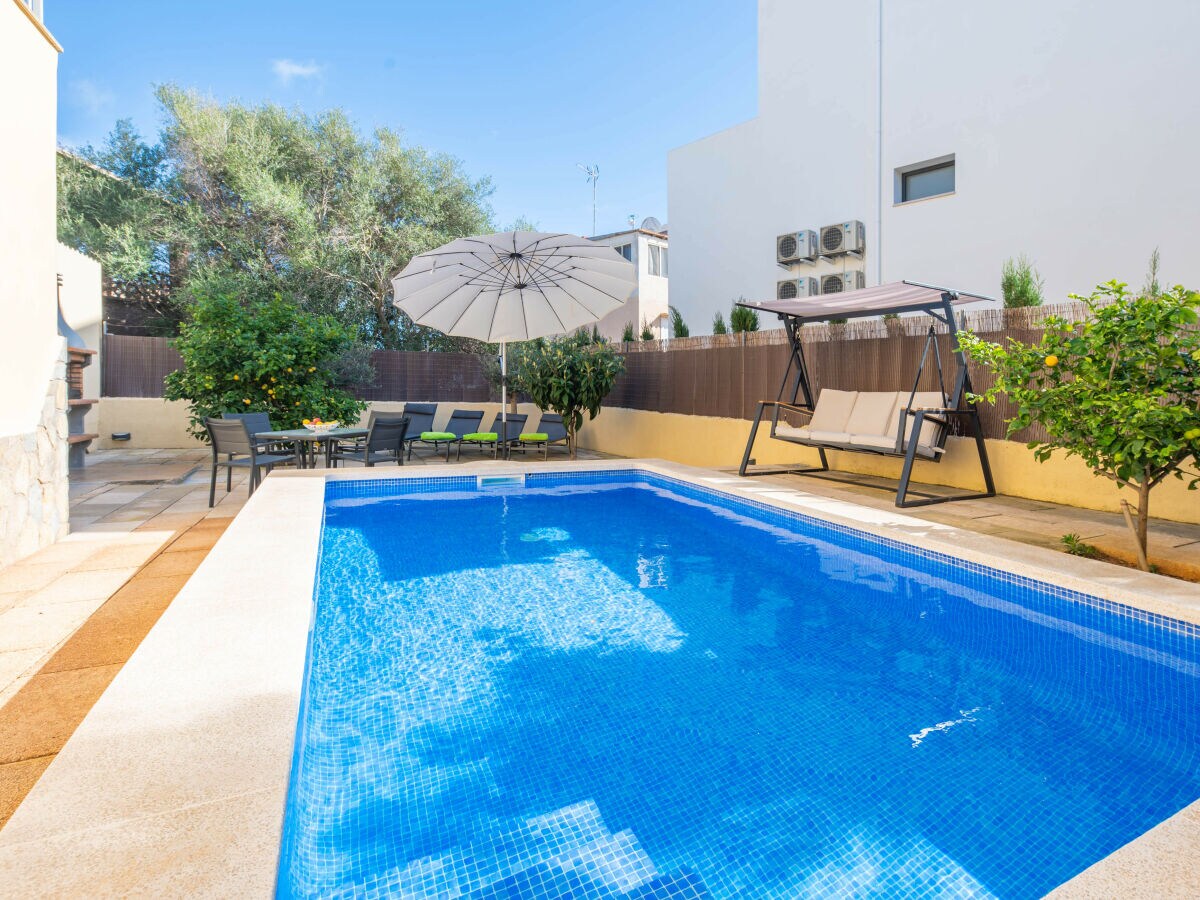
627 333
647 334
1020 284
742 318
1120 390
261 355
1075 545
719 324
679 327
570 376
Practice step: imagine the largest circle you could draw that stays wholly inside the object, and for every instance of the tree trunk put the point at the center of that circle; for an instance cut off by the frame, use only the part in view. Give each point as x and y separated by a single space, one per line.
1143 519
571 441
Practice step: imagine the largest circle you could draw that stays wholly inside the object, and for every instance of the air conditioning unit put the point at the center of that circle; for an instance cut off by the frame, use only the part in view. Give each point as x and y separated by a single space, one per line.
798 246
845 281
794 288
845 237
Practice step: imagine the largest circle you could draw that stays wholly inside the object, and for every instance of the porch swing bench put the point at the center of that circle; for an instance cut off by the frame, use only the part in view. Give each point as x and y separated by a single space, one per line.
907 424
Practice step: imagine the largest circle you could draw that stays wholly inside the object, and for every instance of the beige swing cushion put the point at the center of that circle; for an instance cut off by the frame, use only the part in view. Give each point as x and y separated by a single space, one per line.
867 420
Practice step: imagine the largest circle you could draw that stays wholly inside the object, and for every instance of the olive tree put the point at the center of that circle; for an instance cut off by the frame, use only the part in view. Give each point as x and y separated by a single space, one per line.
303 205
1120 390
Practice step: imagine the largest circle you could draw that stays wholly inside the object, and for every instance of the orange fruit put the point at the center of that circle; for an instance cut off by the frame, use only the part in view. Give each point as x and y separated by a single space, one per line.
1052 361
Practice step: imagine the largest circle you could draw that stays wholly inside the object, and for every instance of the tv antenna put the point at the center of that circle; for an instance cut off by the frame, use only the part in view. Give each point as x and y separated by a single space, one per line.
593 175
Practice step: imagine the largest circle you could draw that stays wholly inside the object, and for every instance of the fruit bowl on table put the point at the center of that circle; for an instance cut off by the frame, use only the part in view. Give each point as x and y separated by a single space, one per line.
318 427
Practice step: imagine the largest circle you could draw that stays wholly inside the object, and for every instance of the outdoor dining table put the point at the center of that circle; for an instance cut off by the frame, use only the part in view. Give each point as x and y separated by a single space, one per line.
308 442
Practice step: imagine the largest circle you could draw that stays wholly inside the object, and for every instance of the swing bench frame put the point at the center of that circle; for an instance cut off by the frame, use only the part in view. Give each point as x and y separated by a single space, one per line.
796 392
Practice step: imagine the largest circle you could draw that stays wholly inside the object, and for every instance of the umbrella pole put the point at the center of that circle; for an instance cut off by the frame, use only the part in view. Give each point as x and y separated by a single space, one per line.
504 396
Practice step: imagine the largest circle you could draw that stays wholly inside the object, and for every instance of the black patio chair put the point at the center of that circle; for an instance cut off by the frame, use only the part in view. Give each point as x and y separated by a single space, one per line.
551 430
462 422
493 438
230 440
257 423
384 443
372 417
420 417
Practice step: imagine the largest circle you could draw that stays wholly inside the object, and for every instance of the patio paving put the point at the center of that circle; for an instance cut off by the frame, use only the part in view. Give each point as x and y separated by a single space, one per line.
1174 546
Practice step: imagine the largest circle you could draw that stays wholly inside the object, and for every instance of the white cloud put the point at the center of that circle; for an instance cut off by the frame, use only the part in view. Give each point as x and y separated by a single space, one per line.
287 70
91 96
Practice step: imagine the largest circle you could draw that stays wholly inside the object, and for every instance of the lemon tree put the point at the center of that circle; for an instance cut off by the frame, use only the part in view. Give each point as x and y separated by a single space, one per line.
1120 390
261 355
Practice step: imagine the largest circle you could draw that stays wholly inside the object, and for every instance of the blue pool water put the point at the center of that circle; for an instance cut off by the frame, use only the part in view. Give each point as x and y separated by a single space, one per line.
620 686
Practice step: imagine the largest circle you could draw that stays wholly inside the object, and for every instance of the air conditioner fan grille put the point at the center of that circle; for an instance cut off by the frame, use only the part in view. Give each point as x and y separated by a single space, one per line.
788 246
832 239
832 284
787 290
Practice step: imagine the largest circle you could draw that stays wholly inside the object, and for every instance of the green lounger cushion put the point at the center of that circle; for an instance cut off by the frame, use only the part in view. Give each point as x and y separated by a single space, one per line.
486 436
535 436
438 436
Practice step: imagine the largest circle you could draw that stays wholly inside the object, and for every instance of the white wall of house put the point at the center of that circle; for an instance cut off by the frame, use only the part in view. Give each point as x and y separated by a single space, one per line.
33 399
1072 128
649 302
29 340
82 308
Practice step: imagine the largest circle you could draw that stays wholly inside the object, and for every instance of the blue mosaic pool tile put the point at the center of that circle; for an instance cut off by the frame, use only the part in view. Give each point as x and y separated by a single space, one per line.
538 840
683 885
605 868
760 704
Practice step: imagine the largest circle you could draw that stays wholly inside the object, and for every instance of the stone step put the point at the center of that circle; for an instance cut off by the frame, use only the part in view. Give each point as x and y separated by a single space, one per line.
605 869
465 869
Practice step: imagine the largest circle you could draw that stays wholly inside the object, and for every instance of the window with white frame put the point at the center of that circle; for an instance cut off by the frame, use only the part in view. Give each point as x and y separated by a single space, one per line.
658 260
626 250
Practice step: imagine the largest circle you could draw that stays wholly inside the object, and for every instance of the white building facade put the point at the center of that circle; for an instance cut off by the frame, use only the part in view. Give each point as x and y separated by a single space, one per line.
33 400
646 248
960 135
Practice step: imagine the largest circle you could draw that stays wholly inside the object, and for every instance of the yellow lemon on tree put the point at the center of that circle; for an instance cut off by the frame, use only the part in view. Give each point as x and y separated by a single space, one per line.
237 377
312 368
1052 360
246 401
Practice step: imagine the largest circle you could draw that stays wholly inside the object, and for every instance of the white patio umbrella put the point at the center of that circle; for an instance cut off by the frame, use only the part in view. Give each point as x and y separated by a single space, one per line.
513 286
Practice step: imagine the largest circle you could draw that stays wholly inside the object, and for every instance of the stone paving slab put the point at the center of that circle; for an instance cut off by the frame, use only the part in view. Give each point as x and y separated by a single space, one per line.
44 712
1174 546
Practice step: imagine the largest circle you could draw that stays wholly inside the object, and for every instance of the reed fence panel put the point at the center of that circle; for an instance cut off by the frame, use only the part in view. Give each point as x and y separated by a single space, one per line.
713 375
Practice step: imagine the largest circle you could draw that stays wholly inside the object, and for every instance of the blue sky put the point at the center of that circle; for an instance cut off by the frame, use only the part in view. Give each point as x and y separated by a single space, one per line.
520 92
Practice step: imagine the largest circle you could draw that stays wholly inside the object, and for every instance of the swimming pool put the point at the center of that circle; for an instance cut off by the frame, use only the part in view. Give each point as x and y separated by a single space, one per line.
621 685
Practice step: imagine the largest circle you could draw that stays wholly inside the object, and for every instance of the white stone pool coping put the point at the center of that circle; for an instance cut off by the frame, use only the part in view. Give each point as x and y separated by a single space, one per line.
174 784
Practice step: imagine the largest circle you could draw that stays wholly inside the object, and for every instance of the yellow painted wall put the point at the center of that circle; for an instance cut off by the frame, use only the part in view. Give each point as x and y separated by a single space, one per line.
719 443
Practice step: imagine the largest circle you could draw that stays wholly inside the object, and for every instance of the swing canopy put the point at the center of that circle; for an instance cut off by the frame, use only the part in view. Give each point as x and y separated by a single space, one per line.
903 422
885 299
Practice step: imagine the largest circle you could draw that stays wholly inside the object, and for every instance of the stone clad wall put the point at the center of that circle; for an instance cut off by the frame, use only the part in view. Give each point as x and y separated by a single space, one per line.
33 476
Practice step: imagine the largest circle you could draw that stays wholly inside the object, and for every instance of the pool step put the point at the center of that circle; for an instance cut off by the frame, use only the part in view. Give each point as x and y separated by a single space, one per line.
609 867
682 885
463 870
